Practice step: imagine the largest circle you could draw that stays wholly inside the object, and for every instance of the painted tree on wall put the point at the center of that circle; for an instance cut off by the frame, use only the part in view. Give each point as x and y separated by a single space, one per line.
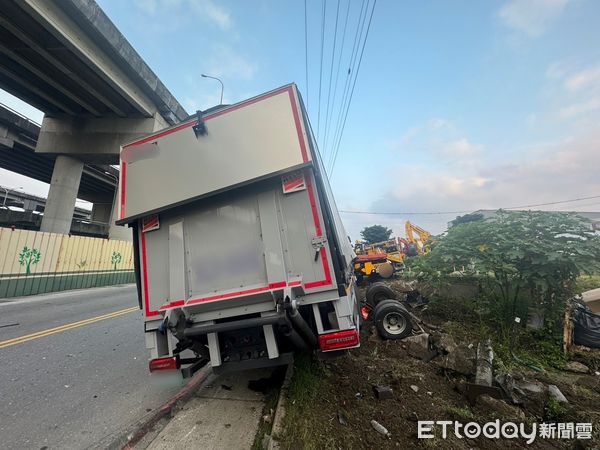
116 259
29 257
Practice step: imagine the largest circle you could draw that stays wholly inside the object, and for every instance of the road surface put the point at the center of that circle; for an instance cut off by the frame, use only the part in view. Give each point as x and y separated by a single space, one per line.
73 369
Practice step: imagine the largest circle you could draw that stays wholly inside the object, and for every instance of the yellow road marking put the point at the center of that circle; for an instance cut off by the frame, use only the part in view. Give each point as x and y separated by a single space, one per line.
66 327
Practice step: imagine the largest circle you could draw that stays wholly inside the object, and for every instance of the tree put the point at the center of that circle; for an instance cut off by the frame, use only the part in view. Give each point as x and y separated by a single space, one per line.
116 259
523 258
473 217
375 233
29 256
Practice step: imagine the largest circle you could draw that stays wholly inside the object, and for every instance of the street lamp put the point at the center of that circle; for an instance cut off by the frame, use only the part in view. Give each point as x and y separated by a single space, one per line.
215 78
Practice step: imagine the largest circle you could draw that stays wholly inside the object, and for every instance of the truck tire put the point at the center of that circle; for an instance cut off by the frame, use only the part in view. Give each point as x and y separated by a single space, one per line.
378 292
392 320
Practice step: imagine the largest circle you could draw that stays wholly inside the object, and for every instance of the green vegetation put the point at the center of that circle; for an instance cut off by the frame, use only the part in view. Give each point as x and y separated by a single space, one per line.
525 265
303 392
466 218
375 233
464 413
555 411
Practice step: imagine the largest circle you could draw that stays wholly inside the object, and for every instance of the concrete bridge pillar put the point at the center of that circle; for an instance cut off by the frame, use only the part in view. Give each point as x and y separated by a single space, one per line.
64 186
90 141
101 212
115 232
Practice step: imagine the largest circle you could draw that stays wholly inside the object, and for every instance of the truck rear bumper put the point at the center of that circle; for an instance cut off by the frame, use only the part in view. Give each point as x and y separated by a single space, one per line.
235 366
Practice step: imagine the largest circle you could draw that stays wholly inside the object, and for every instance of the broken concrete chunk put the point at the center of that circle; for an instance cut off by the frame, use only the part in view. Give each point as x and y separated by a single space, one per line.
414 388
461 360
555 393
383 392
530 387
577 367
417 346
446 343
485 364
531 395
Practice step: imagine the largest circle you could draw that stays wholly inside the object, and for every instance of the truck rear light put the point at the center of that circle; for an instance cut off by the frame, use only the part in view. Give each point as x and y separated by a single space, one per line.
339 340
365 311
169 363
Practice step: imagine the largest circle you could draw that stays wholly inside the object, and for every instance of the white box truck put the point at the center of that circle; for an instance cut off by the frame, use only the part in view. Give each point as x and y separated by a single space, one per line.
241 256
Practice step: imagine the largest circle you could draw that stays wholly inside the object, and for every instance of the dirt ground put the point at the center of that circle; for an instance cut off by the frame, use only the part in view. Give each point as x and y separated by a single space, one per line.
331 403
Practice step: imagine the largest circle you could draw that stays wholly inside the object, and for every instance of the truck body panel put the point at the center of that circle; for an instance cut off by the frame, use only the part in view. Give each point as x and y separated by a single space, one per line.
227 159
242 256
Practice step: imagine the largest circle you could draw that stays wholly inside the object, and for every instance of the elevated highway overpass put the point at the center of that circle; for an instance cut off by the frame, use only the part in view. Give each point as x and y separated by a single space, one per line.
66 58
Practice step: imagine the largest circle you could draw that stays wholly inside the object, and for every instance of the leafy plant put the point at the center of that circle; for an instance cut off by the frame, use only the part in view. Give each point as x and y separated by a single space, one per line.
116 259
375 233
522 259
466 218
29 256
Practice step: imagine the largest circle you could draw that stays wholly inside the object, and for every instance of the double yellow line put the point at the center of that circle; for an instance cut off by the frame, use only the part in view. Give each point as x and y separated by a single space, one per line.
69 326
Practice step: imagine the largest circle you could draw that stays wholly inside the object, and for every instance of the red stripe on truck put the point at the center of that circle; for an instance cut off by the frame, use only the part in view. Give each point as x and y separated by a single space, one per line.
147 310
319 232
122 179
298 126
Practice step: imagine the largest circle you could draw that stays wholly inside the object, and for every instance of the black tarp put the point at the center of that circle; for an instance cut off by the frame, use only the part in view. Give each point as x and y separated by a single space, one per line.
587 326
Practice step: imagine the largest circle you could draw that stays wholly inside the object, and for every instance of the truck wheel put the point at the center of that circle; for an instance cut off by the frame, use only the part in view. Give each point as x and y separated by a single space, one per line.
378 292
392 320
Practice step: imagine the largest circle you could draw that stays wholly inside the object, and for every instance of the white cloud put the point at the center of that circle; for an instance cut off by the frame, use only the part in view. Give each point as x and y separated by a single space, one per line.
575 90
587 78
580 108
531 17
565 170
206 10
224 61
217 14
440 137
460 148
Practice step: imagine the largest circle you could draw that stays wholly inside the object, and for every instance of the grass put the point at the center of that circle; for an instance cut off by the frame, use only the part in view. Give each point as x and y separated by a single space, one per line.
555 411
302 394
264 428
460 413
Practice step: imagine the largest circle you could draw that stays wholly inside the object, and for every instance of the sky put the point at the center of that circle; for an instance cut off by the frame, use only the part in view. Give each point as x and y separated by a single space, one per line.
458 105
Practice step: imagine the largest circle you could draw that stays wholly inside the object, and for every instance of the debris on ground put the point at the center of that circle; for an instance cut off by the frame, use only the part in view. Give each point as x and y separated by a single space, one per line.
446 367
417 346
383 392
555 393
577 367
380 429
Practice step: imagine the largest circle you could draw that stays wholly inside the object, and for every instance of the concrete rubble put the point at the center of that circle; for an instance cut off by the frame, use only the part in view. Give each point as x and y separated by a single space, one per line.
577 367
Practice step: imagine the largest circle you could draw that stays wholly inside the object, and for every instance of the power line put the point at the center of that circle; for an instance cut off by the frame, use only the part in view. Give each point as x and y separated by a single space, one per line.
359 27
353 86
337 15
306 49
469 211
321 66
337 76
351 72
